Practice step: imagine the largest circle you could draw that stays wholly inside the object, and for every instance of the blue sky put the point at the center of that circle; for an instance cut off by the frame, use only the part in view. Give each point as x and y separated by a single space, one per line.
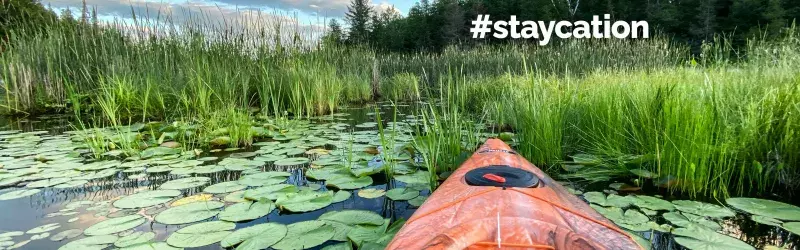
307 12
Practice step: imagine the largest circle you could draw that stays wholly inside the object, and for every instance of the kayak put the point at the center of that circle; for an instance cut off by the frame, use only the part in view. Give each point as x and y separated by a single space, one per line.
499 200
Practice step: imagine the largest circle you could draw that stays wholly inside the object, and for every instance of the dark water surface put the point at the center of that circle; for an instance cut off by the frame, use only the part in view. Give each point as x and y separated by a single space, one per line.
26 213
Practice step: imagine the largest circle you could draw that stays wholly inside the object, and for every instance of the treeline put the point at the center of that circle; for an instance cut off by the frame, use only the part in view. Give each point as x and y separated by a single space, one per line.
434 25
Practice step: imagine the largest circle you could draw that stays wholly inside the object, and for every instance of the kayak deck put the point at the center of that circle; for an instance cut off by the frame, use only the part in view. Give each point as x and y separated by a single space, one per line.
462 216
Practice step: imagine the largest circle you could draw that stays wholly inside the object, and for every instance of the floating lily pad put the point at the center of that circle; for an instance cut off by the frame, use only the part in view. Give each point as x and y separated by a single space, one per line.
146 199
340 196
94 242
690 220
264 179
260 236
652 203
371 193
189 213
349 182
185 183
305 235
135 238
774 209
224 187
417 201
793 227
612 200
766 220
40 236
629 219
245 211
16 194
402 194
115 225
192 199
702 208
43 228
327 173
235 197
201 234
353 217
151 246
68 234
272 192
698 238
305 201
421 177
292 161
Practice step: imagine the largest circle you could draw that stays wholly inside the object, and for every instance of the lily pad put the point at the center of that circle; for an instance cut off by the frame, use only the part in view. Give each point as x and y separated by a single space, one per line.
340 196
371 193
135 238
272 192
305 201
698 238
43 228
68 234
612 200
264 179
766 220
774 209
417 201
115 225
416 177
349 182
16 194
292 161
690 220
702 208
94 242
245 211
192 199
151 246
189 213
146 199
652 203
305 235
793 227
235 197
185 183
224 187
201 234
260 236
353 217
402 194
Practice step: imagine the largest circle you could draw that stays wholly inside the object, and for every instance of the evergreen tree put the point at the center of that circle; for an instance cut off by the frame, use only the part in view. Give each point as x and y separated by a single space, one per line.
334 36
358 17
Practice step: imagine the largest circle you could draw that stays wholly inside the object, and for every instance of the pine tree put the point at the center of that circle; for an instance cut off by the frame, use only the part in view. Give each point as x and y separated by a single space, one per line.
334 36
358 17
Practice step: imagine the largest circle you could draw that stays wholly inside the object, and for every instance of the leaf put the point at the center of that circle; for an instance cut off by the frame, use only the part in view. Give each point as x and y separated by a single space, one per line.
698 238
189 213
353 217
245 211
94 242
702 208
292 161
158 151
371 193
774 209
135 238
422 177
68 234
327 173
417 201
115 225
340 196
402 194
146 199
793 227
260 236
689 220
201 234
16 194
305 201
43 228
224 187
235 197
339 246
185 183
349 182
192 199
305 235
264 179
272 192
151 246
652 203
766 220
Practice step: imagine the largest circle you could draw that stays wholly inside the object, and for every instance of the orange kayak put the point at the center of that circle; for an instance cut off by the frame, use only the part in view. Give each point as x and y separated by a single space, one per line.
499 200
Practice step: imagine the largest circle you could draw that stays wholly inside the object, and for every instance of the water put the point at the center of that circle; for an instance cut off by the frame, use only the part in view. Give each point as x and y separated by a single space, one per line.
26 213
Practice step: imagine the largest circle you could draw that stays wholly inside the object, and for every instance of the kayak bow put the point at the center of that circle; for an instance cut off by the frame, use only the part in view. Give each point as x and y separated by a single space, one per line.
499 200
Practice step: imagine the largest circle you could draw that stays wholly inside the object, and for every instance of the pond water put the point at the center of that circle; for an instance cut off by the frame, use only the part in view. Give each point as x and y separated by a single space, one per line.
41 151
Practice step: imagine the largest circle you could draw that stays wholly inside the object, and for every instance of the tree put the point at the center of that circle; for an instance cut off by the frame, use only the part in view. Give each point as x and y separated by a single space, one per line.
334 36
358 17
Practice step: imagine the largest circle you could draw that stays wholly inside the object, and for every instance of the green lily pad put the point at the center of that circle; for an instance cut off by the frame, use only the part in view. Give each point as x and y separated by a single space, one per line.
135 238
189 213
422 177
68 234
224 187
292 161
272 192
690 220
652 203
305 235
146 199
16 194
245 211
612 200
260 236
699 238
774 209
185 183
371 193
417 201
235 197
702 208
339 246
766 220
363 170
327 173
158 151
94 242
793 227
402 194
305 201
349 182
201 234
353 217
630 219
115 225
151 246
340 196
43 228
264 179
47 182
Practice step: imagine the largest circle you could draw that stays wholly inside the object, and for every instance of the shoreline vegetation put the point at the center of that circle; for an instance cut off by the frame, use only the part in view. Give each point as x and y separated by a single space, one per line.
720 123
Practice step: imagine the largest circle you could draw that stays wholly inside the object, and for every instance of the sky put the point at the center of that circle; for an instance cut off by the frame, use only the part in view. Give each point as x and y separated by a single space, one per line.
307 12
